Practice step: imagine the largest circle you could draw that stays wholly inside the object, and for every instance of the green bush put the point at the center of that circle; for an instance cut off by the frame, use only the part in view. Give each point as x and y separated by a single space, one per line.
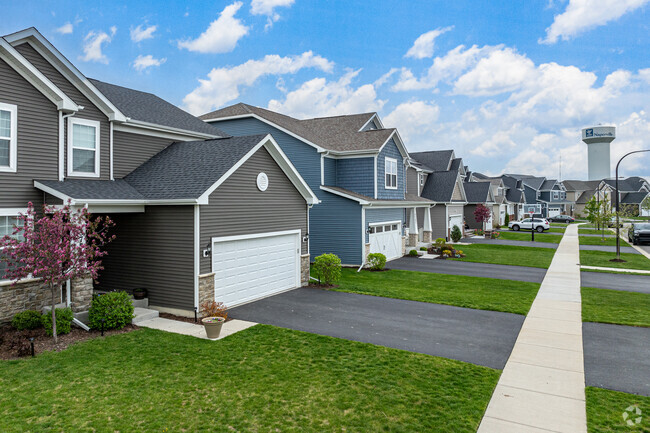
413 253
64 318
116 308
376 261
456 234
328 268
507 220
28 319
424 249
440 241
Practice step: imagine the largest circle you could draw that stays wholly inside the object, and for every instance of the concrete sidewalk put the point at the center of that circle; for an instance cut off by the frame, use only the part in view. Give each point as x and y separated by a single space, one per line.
194 330
542 385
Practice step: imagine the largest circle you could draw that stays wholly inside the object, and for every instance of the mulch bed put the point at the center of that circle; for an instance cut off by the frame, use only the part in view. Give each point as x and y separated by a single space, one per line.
15 344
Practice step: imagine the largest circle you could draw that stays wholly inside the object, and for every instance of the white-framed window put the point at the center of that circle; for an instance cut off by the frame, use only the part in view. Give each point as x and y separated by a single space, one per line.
421 179
8 219
556 195
83 147
391 173
8 137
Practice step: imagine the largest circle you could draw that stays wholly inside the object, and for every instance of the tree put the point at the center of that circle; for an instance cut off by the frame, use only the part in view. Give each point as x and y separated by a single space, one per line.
599 212
62 245
645 204
482 214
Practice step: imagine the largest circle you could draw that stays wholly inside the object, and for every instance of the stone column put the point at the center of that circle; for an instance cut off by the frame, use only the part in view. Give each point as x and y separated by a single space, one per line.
427 232
413 228
81 293
206 289
304 269
403 245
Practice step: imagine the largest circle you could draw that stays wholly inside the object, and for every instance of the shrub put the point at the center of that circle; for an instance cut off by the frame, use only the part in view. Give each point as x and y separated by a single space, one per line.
214 309
456 234
376 261
116 308
507 220
480 232
413 253
64 318
440 242
28 319
328 268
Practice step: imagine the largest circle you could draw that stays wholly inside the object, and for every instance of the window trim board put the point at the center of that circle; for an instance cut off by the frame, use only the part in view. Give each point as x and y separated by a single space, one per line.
70 147
13 138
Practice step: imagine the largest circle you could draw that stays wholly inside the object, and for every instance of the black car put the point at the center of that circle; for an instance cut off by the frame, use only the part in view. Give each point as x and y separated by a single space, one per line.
639 233
561 219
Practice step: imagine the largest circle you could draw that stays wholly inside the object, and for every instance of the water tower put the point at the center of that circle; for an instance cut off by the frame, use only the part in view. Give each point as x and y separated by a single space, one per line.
598 139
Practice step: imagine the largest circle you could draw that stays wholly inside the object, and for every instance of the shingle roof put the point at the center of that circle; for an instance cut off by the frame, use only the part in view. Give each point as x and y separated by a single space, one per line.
435 160
514 195
631 184
337 133
456 164
87 189
439 186
479 175
548 185
477 192
580 185
534 182
407 197
633 197
149 108
586 196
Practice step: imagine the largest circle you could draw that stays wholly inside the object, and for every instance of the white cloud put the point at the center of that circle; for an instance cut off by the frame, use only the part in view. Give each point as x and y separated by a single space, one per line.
139 34
319 97
93 46
424 44
223 84
267 7
65 29
414 118
583 15
222 35
143 62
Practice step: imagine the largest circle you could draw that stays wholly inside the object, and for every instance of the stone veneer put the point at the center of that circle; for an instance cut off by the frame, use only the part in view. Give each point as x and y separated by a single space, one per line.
206 288
403 245
427 236
413 239
304 269
81 293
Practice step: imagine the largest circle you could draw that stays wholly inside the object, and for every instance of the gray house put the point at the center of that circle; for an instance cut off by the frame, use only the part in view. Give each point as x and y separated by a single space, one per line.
200 214
478 193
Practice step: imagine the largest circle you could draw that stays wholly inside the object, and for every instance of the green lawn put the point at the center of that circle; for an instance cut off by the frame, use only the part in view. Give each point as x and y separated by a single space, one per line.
606 232
615 306
508 255
519 236
461 291
556 230
609 241
602 258
559 224
605 411
614 272
263 379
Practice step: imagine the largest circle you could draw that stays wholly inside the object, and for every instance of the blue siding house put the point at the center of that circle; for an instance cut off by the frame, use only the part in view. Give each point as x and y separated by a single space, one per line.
355 166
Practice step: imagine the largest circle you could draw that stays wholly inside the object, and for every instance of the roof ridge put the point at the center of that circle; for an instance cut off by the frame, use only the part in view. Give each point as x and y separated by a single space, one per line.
339 115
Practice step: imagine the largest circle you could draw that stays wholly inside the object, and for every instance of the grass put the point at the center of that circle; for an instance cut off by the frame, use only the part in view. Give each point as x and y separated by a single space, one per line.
518 236
602 258
614 306
614 272
508 255
606 232
559 224
556 230
462 291
263 379
608 241
605 411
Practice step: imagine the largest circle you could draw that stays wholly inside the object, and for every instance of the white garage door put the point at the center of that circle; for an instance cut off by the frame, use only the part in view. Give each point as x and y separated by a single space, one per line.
386 238
253 267
455 220
553 211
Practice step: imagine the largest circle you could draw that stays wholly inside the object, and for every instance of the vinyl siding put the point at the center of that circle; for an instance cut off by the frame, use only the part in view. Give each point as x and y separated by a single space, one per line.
238 207
132 150
370 125
438 222
390 150
470 219
412 186
329 171
356 174
37 140
90 111
153 250
384 215
457 194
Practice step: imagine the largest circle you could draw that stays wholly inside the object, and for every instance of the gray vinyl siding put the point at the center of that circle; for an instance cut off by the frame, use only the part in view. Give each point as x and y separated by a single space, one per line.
90 111
356 174
238 207
153 250
51 200
384 215
390 150
329 171
469 217
412 186
37 140
132 150
369 126
439 222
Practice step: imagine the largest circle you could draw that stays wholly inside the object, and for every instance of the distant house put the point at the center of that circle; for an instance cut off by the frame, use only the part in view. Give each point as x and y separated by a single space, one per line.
478 193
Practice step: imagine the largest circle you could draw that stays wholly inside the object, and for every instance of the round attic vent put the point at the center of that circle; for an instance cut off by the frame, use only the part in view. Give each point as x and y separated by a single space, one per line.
262 181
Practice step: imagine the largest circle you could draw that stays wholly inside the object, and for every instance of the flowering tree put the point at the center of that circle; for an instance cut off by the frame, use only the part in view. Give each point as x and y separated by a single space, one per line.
482 214
62 245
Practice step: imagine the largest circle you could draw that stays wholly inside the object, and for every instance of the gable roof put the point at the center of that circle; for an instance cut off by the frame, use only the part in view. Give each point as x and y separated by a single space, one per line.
340 134
580 185
477 192
149 108
435 160
634 197
586 196
439 186
631 184
547 185
409 199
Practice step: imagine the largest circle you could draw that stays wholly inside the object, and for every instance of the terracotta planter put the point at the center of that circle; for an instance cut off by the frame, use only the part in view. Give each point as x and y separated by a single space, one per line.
213 326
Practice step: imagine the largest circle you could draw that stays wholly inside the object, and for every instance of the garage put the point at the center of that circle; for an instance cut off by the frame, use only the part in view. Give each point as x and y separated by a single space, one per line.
386 238
251 267
455 220
553 211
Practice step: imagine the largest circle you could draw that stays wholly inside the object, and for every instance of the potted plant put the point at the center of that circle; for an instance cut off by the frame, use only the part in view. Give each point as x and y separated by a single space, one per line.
214 316
139 293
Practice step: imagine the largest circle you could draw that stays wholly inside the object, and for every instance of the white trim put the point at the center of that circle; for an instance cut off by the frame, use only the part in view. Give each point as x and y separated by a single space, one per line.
342 194
13 138
61 147
388 160
322 169
126 208
399 143
110 149
378 203
376 157
255 235
12 211
351 154
363 236
367 122
140 130
86 122
162 129
197 254
384 223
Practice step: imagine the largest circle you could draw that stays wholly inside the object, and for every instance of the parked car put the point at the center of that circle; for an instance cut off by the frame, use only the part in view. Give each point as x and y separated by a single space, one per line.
612 223
639 233
538 224
562 219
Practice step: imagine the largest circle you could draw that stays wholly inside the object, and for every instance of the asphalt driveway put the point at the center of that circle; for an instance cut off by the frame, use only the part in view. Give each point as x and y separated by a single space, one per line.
487 270
480 337
620 281
617 357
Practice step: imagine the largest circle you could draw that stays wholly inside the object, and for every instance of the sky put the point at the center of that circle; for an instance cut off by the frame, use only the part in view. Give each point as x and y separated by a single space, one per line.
507 85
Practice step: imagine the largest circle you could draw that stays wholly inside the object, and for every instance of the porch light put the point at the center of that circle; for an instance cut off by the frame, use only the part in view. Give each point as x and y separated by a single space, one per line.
369 230
305 238
207 251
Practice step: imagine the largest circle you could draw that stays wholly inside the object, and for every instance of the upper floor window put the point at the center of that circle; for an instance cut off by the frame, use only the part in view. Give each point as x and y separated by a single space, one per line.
83 147
499 190
391 173
8 137
556 195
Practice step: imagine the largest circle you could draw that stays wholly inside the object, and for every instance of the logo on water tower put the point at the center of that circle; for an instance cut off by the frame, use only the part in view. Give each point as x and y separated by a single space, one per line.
589 133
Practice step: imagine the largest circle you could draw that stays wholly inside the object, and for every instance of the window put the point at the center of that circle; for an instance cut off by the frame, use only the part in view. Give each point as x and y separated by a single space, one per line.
8 137
83 147
556 195
7 223
421 179
391 173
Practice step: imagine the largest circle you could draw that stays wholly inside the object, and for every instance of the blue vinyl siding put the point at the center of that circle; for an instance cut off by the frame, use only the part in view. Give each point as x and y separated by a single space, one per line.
381 215
390 150
329 171
356 174
370 125
545 195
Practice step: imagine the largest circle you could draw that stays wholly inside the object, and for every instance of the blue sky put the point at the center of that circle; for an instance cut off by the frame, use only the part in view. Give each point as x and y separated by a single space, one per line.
508 85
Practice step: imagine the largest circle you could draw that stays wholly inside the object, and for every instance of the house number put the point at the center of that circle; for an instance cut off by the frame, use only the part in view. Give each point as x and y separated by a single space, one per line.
262 181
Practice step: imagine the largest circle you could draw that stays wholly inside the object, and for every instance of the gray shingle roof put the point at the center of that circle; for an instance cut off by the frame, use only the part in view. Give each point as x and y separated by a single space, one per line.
477 192
149 108
580 185
586 196
633 197
336 133
439 186
631 184
456 164
407 197
87 189
548 185
435 160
